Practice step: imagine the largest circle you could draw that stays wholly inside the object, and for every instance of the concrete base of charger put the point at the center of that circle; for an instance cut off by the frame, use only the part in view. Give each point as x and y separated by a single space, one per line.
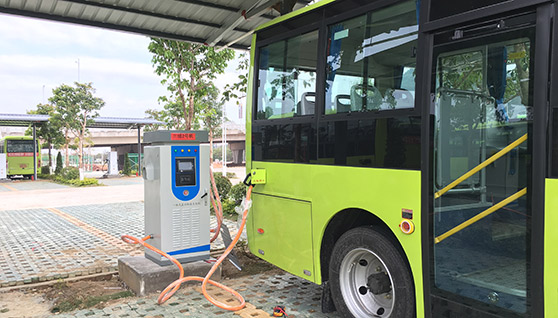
144 276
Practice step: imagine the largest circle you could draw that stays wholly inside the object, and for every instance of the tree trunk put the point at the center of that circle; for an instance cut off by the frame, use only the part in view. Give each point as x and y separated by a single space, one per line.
80 151
49 153
67 154
186 112
66 148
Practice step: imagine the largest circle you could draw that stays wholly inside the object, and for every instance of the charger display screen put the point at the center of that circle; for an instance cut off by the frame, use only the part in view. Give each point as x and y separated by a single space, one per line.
185 172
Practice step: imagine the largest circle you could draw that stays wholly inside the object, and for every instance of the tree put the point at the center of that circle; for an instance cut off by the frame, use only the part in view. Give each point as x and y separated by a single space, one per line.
75 107
58 163
172 115
127 169
187 68
238 90
211 115
47 131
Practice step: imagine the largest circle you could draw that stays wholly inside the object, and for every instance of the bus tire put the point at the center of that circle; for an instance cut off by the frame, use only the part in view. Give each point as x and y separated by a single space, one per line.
369 277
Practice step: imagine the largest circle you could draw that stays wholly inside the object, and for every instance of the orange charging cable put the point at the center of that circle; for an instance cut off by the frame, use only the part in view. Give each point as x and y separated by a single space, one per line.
174 286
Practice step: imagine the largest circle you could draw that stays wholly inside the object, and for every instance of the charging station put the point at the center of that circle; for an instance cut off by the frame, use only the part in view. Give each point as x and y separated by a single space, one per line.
176 186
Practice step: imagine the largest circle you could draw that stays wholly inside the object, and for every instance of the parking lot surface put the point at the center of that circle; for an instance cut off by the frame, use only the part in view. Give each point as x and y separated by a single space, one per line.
52 238
261 292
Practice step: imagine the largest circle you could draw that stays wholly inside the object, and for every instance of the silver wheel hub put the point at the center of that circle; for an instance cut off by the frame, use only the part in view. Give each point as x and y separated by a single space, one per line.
360 268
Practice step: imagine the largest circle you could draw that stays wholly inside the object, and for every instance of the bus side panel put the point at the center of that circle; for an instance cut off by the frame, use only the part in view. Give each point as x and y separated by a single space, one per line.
331 189
283 225
550 250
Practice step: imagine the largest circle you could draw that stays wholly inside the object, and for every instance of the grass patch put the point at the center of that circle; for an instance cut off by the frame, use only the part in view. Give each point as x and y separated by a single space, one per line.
88 302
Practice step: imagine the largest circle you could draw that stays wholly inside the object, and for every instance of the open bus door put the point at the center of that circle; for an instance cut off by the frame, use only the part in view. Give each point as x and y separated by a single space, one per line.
485 194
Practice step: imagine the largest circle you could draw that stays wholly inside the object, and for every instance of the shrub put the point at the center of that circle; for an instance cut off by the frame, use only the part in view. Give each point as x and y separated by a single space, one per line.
228 207
127 170
58 169
45 170
238 192
70 173
76 182
223 185
46 176
83 183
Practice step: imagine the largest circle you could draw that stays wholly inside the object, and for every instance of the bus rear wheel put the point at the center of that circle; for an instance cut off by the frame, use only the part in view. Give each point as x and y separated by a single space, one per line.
369 277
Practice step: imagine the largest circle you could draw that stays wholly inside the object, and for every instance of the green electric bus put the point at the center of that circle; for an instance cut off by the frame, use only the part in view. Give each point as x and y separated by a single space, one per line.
405 155
19 155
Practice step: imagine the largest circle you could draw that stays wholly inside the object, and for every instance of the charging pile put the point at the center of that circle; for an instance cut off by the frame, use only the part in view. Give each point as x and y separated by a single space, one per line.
176 166
174 286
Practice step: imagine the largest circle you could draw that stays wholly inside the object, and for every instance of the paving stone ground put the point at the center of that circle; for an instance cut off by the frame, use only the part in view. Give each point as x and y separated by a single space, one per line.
261 292
47 244
51 243
121 181
23 185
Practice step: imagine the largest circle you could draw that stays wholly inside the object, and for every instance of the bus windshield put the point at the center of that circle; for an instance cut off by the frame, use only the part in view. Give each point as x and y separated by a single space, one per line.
19 146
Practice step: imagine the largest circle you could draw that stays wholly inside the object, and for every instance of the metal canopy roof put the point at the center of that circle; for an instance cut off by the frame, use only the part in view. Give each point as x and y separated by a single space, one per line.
122 123
24 120
214 22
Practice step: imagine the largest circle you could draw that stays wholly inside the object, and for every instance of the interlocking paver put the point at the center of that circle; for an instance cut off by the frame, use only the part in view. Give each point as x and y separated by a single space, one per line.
48 244
121 181
300 298
22 185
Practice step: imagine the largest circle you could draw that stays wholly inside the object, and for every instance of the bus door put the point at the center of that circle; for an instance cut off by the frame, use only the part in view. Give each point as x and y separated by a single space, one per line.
481 221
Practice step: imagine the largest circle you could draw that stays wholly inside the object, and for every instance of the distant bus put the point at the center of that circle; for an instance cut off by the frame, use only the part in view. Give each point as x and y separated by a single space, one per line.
19 155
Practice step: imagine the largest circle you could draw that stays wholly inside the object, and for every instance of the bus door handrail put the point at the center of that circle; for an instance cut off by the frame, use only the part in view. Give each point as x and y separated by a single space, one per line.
483 164
480 216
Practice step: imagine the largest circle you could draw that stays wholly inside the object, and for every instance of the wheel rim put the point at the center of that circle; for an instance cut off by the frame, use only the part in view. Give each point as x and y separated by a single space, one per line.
356 268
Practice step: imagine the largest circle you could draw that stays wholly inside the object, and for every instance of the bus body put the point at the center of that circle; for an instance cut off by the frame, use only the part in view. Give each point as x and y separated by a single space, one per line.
19 155
410 155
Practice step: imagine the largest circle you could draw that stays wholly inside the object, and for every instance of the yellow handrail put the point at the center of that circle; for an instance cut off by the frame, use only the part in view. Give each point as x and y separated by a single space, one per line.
483 164
480 216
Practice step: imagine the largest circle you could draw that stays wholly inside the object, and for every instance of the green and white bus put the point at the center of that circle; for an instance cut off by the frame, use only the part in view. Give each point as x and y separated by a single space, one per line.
19 155
406 155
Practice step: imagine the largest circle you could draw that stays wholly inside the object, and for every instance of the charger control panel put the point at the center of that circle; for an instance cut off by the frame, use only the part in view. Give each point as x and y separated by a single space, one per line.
185 172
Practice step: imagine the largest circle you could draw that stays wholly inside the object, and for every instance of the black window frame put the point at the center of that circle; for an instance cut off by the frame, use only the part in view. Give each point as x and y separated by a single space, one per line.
322 27
330 14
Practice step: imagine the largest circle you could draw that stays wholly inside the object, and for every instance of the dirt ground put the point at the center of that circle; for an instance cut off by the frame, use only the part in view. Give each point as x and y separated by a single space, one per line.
101 291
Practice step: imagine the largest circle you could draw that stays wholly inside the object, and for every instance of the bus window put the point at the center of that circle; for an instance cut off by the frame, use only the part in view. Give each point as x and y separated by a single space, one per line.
371 61
19 146
287 77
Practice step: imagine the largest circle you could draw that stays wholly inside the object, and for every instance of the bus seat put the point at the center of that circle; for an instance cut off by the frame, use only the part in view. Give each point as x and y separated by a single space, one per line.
373 97
308 103
343 103
401 97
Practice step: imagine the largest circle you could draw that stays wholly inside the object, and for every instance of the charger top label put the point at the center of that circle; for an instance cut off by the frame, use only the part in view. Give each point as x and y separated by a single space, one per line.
183 136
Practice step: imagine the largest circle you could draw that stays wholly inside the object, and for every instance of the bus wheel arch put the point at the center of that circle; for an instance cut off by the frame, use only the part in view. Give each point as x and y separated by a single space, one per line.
343 222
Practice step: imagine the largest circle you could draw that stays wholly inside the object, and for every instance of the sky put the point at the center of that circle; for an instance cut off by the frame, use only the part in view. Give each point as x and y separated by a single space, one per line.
38 55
